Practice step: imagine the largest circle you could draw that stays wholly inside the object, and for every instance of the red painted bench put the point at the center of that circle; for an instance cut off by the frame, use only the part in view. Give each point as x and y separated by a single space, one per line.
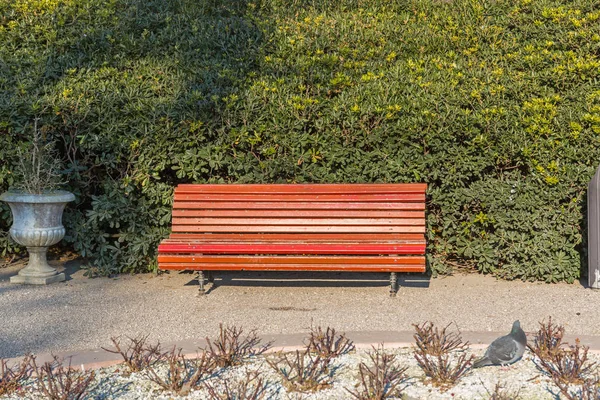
297 227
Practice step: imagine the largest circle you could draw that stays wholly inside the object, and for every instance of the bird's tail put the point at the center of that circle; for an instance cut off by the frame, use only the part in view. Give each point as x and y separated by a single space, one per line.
481 362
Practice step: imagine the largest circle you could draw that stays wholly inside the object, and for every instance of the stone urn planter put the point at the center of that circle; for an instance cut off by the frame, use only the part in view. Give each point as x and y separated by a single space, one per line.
37 224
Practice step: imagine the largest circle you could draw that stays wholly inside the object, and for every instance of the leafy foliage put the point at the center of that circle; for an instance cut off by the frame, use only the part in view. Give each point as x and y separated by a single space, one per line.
495 105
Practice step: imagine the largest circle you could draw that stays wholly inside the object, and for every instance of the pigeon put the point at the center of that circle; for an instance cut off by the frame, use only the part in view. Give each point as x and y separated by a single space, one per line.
504 350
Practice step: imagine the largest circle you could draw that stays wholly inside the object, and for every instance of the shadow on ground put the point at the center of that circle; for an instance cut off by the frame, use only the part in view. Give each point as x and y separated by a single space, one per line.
310 279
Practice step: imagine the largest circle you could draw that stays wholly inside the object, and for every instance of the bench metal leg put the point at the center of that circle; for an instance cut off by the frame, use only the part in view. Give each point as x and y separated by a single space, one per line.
210 276
201 283
393 284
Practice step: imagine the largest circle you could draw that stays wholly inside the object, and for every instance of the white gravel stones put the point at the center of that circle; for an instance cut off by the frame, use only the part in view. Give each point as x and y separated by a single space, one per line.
522 378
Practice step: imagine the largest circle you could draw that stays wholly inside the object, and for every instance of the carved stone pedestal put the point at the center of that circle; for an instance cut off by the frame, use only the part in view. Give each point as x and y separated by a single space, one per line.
37 224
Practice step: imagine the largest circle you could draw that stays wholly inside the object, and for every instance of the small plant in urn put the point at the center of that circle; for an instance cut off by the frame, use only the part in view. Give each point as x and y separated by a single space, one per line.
37 207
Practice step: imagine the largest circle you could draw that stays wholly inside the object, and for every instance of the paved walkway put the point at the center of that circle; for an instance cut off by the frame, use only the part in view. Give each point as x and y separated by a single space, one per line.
79 316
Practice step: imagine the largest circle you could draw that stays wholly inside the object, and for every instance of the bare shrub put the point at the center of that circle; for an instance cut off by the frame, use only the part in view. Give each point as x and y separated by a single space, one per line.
138 354
548 339
303 371
433 342
500 392
57 382
39 168
441 354
589 389
567 365
381 378
182 374
252 387
328 343
231 349
13 378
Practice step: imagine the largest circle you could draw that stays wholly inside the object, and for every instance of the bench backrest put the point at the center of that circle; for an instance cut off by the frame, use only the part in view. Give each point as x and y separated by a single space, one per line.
374 210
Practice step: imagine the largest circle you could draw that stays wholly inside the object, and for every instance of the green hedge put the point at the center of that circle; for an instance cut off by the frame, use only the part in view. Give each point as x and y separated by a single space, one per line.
495 105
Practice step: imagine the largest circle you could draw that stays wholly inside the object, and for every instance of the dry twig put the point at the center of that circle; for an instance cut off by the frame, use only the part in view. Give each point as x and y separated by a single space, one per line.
39 167
57 382
500 393
138 355
567 365
183 374
589 389
431 341
304 371
548 339
252 387
13 378
380 379
230 349
441 354
328 343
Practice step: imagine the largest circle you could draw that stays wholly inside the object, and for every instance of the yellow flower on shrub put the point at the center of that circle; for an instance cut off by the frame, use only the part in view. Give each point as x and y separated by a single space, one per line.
576 129
37 6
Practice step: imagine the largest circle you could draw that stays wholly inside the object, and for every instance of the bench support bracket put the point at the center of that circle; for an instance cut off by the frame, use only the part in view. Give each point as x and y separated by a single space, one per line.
393 284
201 291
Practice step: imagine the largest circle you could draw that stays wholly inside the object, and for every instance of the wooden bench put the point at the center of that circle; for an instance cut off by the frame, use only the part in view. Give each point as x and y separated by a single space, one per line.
297 227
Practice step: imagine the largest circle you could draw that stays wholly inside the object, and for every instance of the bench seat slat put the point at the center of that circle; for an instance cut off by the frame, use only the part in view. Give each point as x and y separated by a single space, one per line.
301 221
252 213
303 188
296 267
341 198
283 205
292 248
291 259
311 228
297 237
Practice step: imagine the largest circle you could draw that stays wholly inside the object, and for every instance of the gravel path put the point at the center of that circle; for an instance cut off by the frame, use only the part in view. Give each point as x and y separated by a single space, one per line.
84 313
